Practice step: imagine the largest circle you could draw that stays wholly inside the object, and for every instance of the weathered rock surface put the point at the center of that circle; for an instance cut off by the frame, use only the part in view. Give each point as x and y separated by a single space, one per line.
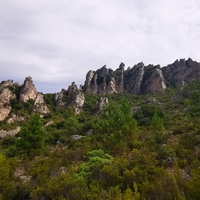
102 103
153 80
40 105
5 97
12 132
104 81
15 118
181 72
133 79
76 97
28 90
141 79
13 91
72 97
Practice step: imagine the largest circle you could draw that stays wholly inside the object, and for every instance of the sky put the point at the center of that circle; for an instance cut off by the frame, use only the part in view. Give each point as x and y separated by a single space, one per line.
57 42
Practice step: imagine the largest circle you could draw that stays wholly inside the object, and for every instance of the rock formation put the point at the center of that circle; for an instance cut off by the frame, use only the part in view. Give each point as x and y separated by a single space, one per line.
181 72
153 80
73 97
141 79
15 118
133 79
6 96
13 91
102 103
104 81
40 105
76 97
12 132
28 90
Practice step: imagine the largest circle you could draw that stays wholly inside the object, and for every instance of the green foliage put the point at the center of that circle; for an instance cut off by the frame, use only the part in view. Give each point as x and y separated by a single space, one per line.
145 114
11 187
194 184
114 159
22 108
115 123
32 136
95 159
157 123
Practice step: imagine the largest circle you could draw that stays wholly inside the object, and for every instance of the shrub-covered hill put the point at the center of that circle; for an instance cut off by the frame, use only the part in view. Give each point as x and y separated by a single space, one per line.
134 147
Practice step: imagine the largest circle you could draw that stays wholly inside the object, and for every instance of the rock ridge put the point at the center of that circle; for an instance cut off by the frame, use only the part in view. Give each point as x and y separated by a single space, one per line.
141 79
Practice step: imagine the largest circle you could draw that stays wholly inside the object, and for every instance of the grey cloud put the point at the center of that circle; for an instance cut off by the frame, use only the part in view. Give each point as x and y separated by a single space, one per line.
58 41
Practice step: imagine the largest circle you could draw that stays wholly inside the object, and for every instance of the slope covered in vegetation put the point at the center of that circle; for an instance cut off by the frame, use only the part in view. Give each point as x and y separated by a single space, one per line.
137 147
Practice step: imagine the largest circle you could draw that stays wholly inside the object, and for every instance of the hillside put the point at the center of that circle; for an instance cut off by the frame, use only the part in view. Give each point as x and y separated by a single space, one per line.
94 143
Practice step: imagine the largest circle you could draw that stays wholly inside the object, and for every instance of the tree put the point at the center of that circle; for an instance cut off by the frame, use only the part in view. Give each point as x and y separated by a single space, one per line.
116 122
157 126
32 135
95 160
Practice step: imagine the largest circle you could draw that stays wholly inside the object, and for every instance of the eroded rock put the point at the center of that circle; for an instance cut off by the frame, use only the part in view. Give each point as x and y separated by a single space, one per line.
6 133
28 90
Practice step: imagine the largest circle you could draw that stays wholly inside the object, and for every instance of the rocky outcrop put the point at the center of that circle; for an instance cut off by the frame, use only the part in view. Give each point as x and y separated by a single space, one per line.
102 103
133 79
40 105
28 90
73 97
15 118
8 133
104 81
13 91
59 99
5 97
181 72
142 79
76 97
153 80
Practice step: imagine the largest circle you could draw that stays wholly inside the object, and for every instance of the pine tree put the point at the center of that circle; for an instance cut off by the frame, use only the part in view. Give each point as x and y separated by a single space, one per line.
32 136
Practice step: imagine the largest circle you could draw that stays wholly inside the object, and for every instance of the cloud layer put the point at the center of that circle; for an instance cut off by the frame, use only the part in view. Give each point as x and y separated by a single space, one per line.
58 41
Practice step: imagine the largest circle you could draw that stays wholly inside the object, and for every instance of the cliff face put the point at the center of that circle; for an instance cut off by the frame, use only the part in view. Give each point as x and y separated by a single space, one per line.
104 81
141 79
181 72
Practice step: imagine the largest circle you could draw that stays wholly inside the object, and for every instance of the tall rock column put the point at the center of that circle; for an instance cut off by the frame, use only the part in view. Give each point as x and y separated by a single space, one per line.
153 80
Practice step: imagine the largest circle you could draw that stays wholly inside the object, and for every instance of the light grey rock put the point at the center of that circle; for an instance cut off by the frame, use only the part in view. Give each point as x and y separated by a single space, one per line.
28 90
102 103
6 133
5 97
153 80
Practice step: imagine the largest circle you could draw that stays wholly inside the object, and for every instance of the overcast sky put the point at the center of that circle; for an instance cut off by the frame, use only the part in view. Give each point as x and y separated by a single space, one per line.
59 41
